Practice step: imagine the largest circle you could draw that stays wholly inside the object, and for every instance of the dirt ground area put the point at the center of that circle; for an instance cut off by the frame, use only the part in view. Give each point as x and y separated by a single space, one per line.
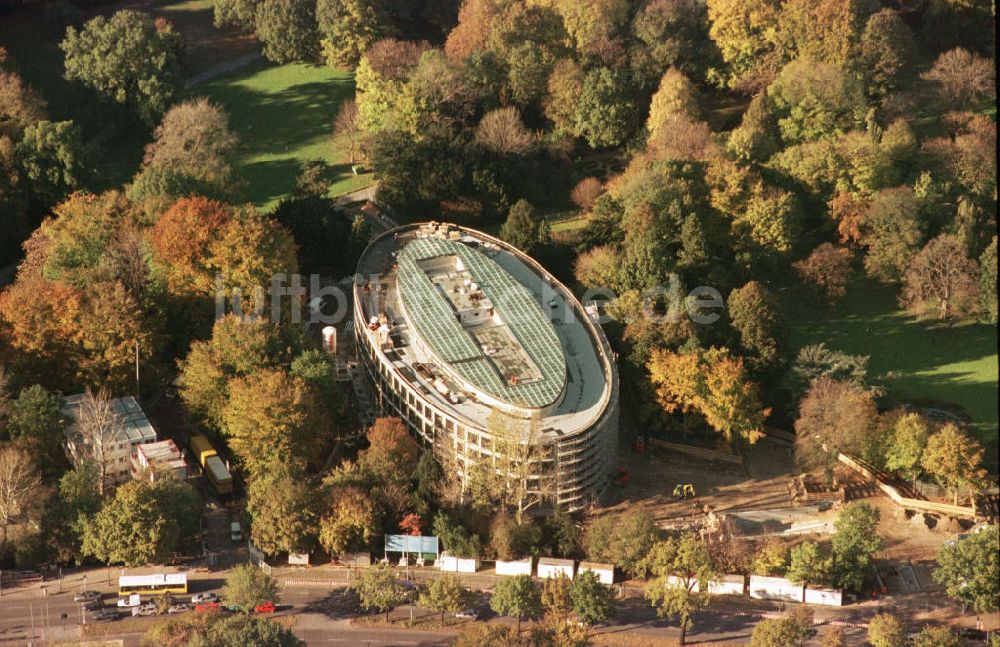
761 484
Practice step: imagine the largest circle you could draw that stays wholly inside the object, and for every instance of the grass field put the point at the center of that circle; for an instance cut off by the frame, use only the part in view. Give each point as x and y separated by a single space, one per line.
914 359
284 116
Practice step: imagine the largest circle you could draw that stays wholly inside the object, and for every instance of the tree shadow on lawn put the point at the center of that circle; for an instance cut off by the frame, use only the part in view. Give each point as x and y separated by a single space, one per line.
337 604
269 180
279 122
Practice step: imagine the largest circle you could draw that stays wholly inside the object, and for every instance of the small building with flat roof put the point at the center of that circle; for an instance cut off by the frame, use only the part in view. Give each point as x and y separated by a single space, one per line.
153 460
124 430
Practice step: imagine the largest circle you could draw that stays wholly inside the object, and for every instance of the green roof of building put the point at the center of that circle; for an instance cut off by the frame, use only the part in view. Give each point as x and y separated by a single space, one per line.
435 321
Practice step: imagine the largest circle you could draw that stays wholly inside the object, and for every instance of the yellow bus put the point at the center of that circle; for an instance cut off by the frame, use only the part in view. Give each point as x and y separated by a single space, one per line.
152 584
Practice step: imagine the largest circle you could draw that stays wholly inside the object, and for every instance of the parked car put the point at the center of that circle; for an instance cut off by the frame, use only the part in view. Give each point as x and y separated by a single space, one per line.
130 601
207 607
104 615
264 607
235 531
178 608
204 597
92 605
468 614
144 610
86 596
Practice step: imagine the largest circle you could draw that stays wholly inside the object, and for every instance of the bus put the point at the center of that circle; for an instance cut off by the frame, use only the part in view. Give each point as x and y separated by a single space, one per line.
152 584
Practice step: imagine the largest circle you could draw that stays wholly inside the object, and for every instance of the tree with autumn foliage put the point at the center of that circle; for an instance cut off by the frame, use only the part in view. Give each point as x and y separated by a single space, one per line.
828 268
348 520
954 459
392 452
942 280
181 240
270 416
238 348
835 417
713 384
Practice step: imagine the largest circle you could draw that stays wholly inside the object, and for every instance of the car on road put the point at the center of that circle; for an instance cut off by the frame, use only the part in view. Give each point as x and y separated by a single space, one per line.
144 610
468 614
86 596
204 597
178 608
130 601
264 607
92 605
207 607
104 615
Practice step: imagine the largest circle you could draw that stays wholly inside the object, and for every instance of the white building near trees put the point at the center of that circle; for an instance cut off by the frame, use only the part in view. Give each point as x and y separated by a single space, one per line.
106 433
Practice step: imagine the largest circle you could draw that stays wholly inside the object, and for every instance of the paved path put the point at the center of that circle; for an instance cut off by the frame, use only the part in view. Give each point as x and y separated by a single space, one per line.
222 68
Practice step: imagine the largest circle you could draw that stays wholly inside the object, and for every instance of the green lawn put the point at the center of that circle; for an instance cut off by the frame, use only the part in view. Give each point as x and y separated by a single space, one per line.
283 116
915 359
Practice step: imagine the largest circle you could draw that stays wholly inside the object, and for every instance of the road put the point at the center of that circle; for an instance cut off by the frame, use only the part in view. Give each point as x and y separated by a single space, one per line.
323 615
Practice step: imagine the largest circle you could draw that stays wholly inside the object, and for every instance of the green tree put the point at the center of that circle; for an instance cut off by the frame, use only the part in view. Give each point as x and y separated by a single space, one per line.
988 283
779 632
270 416
238 348
808 565
53 157
816 361
36 416
953 459
77 500
623 540
606 109
516 596
886 630
768 228
813 100
144 523
593 601
757 137
890 229
753 312
248 585
855 539
445 594
235 13
242 630
379 589
288 30
128 59
280 504
455 538
682 568
349 27
969 569
936 636
886 48
524 228
909 438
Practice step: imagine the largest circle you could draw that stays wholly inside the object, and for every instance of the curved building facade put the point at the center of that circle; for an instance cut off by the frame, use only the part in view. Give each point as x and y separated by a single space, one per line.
487 356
